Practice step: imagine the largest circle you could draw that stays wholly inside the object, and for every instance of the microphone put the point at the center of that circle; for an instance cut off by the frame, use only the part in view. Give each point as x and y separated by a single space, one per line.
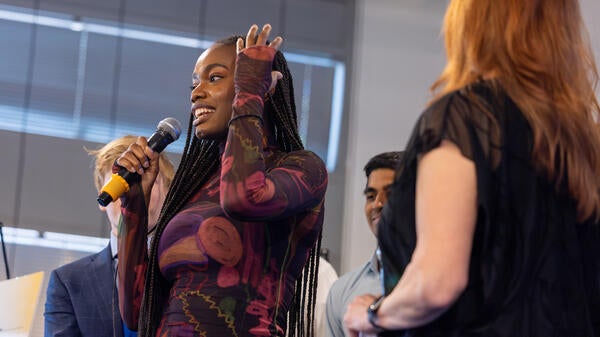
167 131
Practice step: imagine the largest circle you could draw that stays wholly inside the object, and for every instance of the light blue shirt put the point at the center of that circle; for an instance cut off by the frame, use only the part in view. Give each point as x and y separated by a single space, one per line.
364 280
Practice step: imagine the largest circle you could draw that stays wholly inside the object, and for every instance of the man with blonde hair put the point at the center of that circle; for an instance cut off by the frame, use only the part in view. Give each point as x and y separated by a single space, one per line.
81 296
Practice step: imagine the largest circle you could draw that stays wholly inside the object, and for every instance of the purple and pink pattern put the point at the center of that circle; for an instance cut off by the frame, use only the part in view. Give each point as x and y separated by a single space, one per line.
235 250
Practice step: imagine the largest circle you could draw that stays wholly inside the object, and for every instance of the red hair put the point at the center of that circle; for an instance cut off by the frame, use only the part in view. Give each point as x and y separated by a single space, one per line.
538 52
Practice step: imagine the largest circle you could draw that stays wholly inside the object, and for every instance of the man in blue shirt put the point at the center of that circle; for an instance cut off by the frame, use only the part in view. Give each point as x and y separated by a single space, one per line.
380 172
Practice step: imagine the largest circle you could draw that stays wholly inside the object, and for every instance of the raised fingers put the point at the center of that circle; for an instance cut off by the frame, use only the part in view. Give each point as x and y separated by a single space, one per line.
239 44
276 43
262 37
259 38
251 36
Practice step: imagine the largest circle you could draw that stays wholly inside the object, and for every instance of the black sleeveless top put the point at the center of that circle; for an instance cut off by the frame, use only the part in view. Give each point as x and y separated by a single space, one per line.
534 270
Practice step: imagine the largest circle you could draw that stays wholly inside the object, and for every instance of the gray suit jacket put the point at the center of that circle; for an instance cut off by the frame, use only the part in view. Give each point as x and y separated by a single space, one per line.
81 299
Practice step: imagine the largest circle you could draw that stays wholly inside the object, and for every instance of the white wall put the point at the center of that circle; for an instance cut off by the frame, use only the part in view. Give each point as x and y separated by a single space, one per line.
591 12
398 53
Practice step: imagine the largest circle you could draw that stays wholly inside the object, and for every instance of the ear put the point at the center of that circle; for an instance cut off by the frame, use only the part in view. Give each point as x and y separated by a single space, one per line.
102 208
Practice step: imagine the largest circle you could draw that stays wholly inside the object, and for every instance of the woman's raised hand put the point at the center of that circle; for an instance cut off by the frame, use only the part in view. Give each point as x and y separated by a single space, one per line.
255 38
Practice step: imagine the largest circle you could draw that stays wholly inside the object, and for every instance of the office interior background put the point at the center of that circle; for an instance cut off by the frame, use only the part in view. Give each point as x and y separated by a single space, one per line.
75 74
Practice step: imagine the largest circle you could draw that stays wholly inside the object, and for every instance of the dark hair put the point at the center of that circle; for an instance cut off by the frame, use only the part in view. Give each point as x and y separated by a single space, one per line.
199 162
387 160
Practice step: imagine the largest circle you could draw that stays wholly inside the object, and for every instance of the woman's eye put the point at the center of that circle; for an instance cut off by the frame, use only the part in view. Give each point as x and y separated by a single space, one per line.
213 78
193 86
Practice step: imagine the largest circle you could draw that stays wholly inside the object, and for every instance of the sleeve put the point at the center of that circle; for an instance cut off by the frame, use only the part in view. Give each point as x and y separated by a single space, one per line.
59 315
333 314
466 118
248 191
132 256
326 276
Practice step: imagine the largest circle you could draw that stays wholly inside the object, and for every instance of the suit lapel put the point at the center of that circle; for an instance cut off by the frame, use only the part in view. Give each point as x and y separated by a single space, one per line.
102 277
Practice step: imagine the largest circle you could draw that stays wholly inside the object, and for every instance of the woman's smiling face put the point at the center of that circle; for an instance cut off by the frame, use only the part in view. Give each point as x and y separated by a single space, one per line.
213 91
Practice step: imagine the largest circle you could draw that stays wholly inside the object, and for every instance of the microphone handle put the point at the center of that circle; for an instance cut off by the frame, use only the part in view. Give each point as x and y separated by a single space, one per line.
118 184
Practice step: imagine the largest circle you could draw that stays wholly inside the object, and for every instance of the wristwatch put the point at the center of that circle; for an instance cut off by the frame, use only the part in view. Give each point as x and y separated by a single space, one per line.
372 311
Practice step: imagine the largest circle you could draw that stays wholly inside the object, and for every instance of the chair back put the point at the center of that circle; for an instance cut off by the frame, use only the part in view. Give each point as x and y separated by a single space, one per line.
19 297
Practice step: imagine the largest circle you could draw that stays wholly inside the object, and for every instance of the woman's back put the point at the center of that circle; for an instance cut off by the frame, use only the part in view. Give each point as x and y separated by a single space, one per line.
534 270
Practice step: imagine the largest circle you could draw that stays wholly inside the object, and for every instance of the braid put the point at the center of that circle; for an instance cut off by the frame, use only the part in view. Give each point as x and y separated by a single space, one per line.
300 318
198 163
282 108
312 285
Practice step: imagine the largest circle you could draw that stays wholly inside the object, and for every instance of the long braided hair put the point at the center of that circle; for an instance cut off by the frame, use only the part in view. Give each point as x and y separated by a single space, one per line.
200 161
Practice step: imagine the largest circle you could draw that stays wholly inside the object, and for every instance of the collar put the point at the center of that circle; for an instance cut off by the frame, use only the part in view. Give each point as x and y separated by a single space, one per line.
114 245
374 263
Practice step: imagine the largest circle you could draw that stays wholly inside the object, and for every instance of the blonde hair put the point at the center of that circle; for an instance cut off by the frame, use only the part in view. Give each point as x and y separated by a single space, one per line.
538 52
105 157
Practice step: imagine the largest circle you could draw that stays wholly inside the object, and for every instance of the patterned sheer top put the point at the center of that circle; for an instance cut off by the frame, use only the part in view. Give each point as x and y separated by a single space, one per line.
232 255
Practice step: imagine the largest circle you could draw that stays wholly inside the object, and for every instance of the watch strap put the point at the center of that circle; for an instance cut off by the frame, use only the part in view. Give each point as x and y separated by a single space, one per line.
372 311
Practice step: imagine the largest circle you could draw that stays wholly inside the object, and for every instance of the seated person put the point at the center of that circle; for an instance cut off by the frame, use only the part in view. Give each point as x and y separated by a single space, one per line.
81 297
380 175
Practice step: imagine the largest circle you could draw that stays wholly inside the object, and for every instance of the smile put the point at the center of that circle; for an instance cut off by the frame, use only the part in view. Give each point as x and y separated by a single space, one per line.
201 115
375 215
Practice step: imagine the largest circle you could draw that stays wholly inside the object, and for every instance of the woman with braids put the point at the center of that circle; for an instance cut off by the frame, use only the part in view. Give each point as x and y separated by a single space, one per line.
244 213
492 226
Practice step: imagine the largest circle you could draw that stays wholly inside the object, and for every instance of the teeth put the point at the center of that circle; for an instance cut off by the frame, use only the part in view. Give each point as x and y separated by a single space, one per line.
202 111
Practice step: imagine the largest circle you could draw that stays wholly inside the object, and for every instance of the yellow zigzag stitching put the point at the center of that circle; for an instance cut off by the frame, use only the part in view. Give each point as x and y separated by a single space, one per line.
212 305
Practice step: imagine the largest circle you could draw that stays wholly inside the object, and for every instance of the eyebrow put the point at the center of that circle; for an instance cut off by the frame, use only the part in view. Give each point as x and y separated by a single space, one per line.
209 68
371 189
368 189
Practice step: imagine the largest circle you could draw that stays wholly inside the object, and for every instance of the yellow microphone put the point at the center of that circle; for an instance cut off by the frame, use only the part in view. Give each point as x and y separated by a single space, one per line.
167 131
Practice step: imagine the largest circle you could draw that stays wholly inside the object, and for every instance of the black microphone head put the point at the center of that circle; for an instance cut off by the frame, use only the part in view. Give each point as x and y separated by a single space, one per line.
167 131
170 125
